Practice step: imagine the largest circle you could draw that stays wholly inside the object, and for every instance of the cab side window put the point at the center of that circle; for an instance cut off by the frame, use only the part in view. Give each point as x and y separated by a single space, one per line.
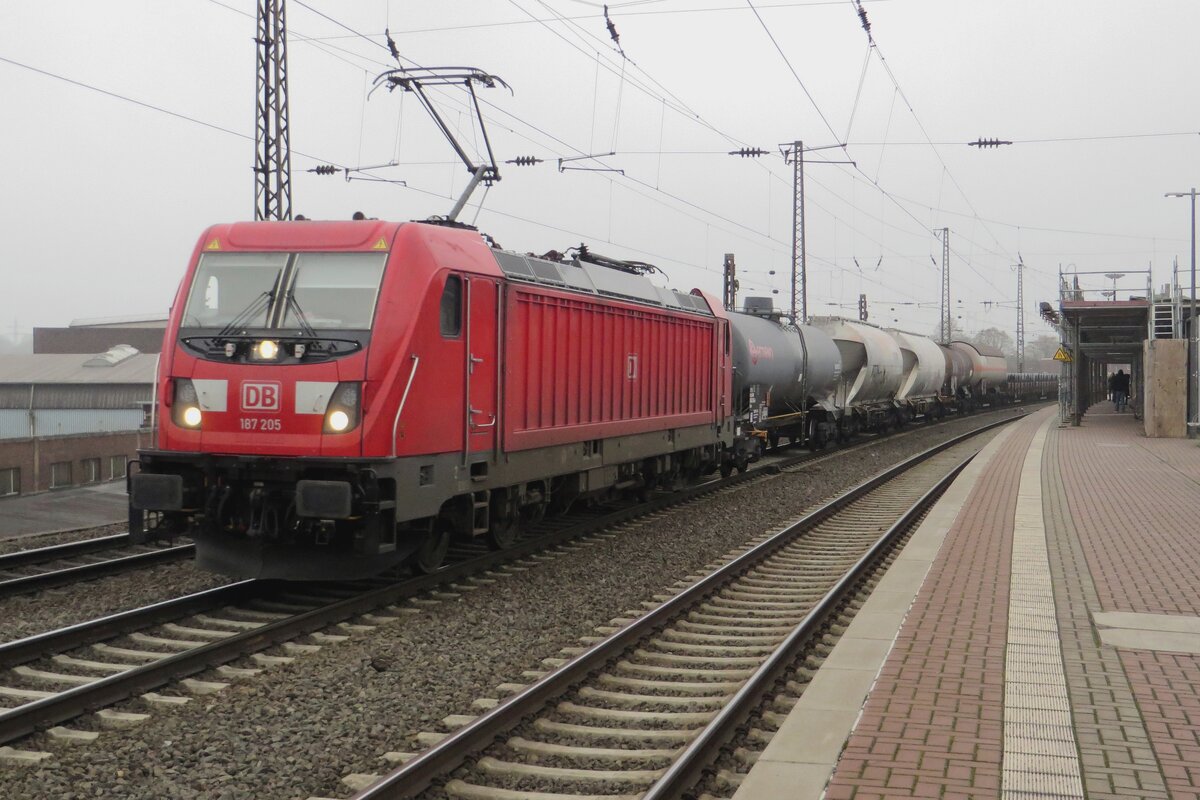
451 316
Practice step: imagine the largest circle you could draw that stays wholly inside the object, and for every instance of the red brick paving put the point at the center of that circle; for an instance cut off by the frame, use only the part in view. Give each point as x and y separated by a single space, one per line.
932 727
1167 688
1135 503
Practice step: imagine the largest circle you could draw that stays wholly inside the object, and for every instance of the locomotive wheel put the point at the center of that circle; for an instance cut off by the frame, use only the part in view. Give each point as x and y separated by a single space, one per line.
726 469
502 533
432 552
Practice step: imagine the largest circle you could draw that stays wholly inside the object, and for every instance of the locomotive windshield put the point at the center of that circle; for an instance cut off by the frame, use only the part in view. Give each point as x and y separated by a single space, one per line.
229 285
324 291
334 290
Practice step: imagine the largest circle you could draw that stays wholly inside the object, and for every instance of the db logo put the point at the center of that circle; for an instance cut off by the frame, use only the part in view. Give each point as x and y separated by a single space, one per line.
260 396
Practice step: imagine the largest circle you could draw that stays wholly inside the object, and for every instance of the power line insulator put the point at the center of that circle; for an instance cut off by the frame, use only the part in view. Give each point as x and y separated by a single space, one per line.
862 15
324 169
748 152
982 143
525 161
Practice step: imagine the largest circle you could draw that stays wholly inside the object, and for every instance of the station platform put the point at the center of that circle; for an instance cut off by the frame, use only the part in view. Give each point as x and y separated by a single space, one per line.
1038 637
63 510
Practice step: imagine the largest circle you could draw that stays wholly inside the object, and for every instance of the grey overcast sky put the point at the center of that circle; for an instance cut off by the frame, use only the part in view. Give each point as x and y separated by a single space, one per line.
102 199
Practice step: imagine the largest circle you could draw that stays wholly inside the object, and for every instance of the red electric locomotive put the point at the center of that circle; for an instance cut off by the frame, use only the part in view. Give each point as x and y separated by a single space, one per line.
336 397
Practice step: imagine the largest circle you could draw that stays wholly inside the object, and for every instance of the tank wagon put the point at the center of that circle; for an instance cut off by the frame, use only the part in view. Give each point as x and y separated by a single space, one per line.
924 374
988 375
838 377
785 379
337 397
871 374
958 373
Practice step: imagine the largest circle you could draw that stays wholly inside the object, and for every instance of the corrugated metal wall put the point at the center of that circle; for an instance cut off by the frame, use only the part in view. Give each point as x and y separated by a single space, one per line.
577 369
14 423
75 395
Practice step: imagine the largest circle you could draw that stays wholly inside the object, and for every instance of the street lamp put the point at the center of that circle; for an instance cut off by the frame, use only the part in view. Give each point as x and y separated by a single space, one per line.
1114 277
1192 404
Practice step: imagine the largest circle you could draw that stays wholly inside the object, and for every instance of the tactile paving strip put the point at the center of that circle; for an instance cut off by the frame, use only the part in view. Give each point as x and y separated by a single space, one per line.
1041 757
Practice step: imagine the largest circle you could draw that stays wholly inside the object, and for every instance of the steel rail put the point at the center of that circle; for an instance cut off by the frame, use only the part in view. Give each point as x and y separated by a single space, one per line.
419 772
45 580
703 749
54 552
21 651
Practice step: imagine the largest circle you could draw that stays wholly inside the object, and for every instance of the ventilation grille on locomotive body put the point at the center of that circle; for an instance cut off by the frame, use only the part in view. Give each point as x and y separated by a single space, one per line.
597 280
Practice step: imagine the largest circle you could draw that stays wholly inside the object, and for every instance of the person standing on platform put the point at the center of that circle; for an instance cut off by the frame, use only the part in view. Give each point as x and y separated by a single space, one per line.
1119 385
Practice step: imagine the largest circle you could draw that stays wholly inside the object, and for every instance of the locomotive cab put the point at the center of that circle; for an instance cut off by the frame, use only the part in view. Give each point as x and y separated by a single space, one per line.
264 395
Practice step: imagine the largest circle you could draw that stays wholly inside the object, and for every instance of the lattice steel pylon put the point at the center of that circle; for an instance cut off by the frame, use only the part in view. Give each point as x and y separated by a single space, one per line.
947 325
273 160
799 261
1020 315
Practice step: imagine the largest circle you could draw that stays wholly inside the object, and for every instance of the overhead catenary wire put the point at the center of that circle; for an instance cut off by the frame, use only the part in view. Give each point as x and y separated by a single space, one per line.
655 182
508 23
638 181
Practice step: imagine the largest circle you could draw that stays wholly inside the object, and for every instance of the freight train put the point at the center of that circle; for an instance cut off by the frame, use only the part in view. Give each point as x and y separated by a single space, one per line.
337 398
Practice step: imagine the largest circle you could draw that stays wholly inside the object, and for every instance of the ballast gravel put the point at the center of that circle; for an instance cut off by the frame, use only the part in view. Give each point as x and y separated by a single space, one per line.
295 730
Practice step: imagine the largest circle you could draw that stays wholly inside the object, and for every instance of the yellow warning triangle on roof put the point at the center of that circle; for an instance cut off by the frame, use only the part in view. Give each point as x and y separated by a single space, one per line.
215 244
380 245
1063 355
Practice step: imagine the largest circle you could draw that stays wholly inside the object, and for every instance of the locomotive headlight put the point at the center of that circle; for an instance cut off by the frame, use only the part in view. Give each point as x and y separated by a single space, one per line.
343 412
186 406
267 350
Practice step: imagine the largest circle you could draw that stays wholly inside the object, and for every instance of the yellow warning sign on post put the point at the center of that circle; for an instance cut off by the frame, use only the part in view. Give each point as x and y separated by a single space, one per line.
1063 355
380 245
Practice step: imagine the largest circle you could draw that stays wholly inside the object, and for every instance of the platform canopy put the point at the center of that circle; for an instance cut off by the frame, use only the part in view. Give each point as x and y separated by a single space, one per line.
1110 322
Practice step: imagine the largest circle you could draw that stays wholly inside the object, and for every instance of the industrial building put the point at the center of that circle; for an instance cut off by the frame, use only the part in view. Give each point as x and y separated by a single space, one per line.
71 419
145 332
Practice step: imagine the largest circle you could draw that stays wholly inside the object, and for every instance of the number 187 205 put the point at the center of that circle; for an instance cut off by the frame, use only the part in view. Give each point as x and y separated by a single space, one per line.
261 424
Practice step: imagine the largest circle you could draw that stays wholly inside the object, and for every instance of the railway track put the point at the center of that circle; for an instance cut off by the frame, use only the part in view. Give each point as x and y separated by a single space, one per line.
61 564
643 712
51 678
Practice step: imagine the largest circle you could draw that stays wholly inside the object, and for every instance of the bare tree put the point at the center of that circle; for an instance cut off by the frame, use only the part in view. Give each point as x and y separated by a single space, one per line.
994 337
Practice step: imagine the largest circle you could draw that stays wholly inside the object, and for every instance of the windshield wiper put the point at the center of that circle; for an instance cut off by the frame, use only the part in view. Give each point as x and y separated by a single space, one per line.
305 327
257 306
